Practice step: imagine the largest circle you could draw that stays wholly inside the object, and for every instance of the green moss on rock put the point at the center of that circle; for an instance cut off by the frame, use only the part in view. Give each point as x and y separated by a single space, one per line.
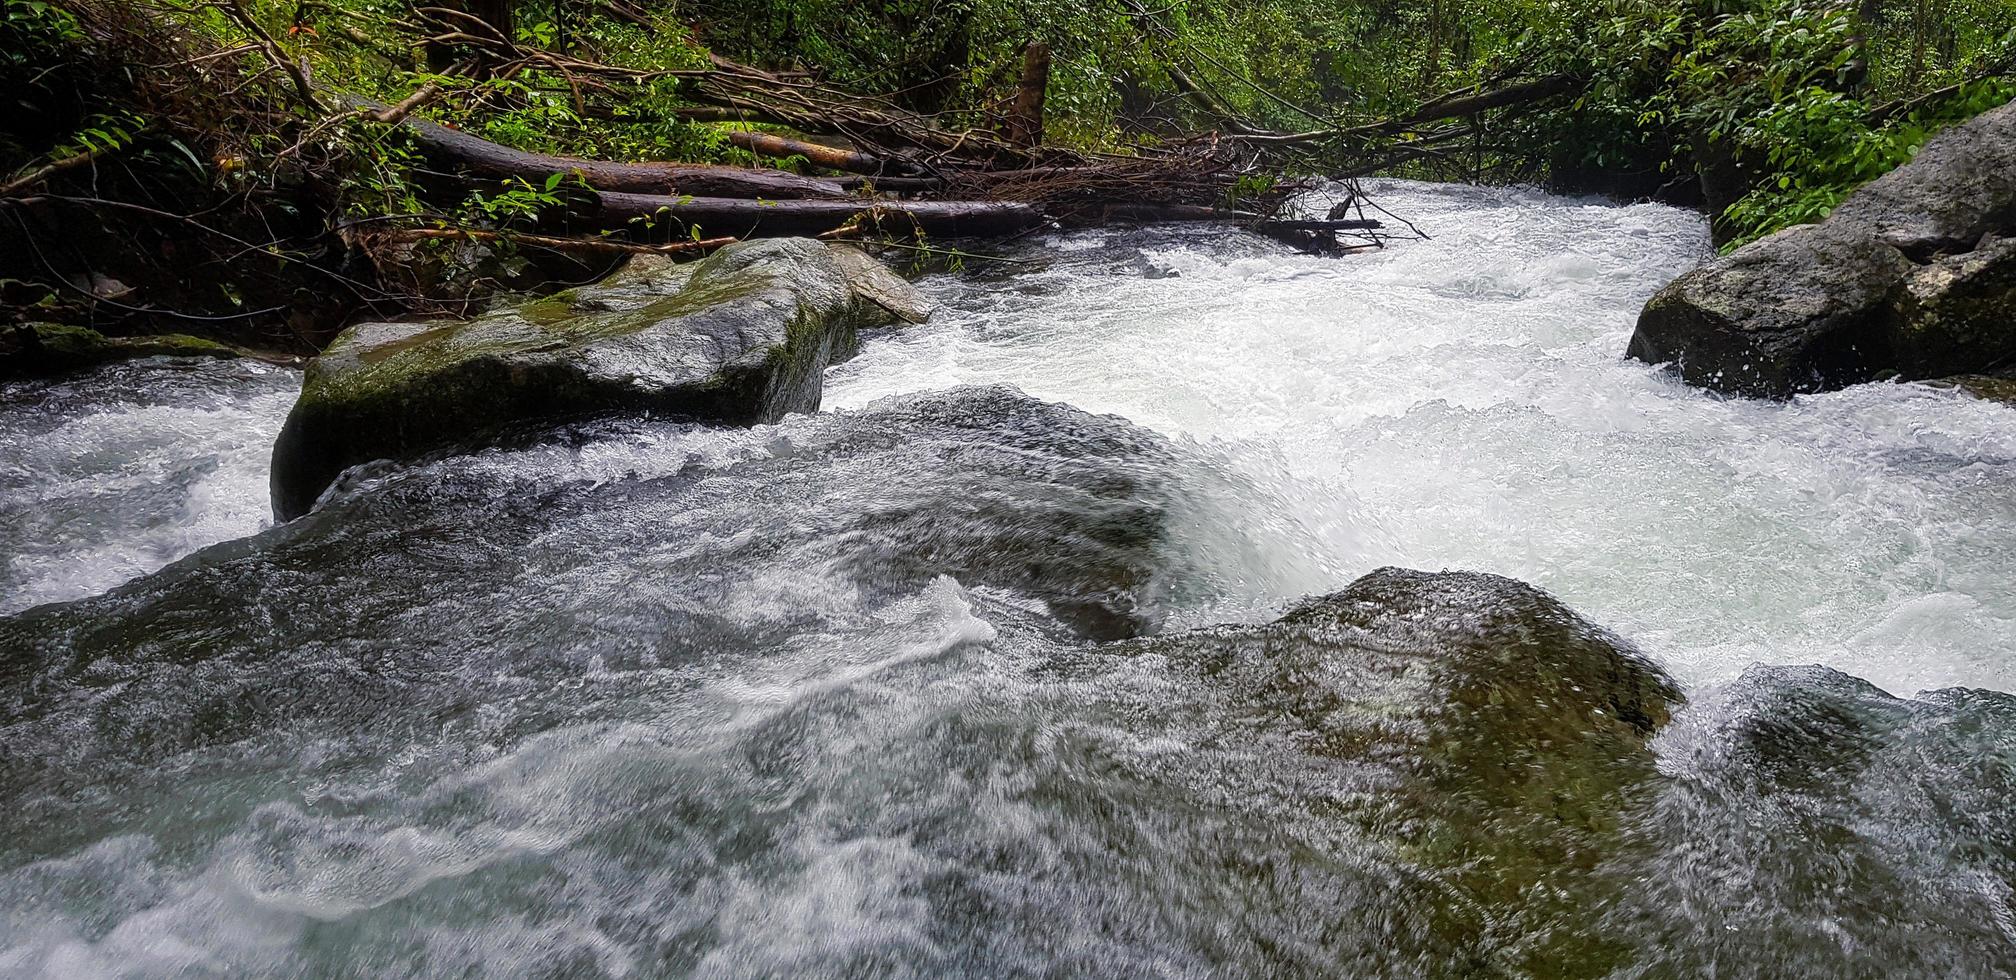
38 349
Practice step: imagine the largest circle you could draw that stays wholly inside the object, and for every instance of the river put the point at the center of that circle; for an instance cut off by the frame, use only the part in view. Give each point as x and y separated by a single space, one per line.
652 698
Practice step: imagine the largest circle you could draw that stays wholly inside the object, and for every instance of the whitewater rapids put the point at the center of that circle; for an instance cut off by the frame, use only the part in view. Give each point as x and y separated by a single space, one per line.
652 698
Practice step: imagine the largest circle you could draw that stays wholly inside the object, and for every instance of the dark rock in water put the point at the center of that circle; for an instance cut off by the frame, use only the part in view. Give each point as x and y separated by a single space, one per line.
37 349
1506 736
1906 278
741 337
1816 826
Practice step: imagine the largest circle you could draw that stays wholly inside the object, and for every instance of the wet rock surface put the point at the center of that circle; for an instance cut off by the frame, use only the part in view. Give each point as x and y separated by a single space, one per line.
1802 309
741 337
1814 825
636 698
1910 277
738 543
1498 740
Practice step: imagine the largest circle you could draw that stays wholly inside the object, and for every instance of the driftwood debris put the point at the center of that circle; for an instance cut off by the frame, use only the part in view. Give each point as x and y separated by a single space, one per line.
901 174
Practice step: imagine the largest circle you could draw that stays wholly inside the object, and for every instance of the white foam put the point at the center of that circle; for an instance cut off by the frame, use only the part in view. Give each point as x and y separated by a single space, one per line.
1464 402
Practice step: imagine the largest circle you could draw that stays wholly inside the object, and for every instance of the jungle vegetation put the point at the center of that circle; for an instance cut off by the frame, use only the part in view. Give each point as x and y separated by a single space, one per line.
268 140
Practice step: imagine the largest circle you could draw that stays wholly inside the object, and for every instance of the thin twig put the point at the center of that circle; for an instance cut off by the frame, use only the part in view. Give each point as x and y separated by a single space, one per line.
302 88
53 168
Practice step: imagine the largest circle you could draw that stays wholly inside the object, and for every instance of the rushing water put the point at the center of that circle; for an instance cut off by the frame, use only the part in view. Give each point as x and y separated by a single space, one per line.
652 698
115 473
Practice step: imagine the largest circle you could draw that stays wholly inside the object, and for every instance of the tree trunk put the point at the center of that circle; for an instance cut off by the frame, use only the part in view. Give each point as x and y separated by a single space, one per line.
1025 122
495 15
485 157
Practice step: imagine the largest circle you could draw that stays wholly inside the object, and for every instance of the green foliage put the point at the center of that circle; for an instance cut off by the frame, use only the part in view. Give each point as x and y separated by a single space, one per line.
519 200
1821 145
33 23
1793 91
1792 101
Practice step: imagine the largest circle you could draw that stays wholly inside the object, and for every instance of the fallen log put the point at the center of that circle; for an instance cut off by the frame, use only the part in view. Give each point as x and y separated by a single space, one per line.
558 244
700 180
831 157
658 216
876 125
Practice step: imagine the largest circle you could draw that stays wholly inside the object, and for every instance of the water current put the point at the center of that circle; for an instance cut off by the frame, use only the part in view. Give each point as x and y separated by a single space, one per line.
649 698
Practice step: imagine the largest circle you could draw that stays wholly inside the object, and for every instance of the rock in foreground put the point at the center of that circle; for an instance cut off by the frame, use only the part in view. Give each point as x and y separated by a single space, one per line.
1495 740
741 337
1909 277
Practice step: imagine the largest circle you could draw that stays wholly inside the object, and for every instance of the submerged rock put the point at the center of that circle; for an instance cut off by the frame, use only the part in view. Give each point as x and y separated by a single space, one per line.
1906 278
1038 498
1813 825
452 585
36 349
741 337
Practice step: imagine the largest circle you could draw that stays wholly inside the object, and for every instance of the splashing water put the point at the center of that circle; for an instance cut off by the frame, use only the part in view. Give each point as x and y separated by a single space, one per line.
113 474
820 698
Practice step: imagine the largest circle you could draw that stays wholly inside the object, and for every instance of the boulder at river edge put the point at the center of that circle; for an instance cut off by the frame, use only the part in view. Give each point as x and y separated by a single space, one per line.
741 337
1910 277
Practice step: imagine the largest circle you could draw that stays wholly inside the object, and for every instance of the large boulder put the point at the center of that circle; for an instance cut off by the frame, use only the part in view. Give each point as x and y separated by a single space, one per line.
1960 187
1807 308
1957 312
1907 278
742 337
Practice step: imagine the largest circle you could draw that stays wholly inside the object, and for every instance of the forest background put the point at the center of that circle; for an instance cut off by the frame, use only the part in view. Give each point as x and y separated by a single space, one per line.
279 124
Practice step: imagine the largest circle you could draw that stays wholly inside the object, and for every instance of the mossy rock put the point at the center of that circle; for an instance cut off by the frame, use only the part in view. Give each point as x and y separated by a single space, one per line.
40 349
741 337
1508 739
